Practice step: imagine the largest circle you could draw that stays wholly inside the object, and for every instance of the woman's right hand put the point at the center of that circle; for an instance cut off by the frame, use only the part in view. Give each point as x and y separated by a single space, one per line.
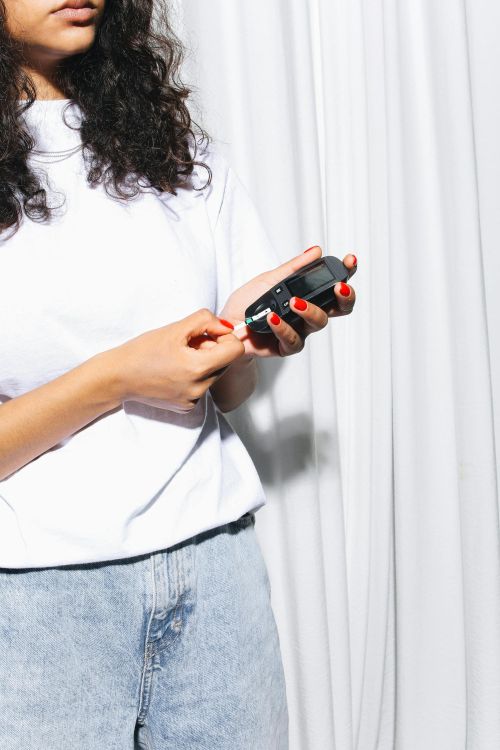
162 368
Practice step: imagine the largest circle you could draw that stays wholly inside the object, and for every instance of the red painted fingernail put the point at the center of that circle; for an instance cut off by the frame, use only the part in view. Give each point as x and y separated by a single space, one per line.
226 323
275 319
299 303
344 289
355 260
310 248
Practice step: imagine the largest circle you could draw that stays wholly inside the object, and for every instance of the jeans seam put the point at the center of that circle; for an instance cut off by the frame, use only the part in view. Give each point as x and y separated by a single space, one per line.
176 576
182 591
147 645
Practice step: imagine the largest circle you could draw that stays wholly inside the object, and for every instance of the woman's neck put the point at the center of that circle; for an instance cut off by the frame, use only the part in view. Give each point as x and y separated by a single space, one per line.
43 81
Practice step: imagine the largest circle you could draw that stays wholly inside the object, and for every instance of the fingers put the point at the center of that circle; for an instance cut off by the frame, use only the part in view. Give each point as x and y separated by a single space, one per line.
346 297
303 259
342 304
351 263
289 340
202 342
313 316
292 266
211 362
200 322
212 348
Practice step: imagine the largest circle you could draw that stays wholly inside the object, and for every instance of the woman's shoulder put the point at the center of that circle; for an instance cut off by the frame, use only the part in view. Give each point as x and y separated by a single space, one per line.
212 182
206 182
211 154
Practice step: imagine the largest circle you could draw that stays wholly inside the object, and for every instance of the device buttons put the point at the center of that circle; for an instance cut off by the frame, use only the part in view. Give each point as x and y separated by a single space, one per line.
286 303
278 290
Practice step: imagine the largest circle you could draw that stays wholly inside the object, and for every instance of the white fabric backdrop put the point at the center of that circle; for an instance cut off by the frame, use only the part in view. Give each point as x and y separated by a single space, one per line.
373 126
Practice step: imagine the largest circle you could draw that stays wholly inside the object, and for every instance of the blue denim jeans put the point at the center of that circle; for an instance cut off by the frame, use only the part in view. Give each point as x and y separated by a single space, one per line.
174 650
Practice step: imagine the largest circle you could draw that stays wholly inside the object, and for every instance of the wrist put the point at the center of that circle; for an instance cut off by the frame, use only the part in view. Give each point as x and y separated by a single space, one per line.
245 360
108 377
236 384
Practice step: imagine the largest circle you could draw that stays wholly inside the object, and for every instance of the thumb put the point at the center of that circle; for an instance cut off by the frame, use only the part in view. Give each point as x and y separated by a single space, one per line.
294 265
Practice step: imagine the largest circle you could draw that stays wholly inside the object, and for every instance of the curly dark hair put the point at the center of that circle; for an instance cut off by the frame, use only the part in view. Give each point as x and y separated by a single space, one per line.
135 123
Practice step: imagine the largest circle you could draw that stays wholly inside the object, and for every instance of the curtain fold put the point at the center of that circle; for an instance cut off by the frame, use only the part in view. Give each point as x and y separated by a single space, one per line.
372 126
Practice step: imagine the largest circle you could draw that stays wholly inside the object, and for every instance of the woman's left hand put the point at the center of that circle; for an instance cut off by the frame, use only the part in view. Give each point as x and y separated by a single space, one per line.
286 340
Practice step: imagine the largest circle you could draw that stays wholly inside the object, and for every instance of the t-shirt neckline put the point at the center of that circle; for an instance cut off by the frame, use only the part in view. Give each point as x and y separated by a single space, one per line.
44 119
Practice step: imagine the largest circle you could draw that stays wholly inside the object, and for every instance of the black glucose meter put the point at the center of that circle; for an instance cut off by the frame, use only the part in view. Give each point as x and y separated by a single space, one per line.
313 283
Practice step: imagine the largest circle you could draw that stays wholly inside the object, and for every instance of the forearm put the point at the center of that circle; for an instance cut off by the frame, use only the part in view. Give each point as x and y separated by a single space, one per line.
236 385
32 423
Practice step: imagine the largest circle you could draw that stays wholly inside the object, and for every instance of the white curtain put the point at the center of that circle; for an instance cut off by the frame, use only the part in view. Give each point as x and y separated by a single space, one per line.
373 126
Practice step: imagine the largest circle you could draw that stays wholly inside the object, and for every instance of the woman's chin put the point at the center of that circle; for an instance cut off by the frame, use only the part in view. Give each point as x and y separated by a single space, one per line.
72 40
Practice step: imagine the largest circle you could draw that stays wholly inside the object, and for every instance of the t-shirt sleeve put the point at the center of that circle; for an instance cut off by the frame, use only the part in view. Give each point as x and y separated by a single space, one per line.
243 248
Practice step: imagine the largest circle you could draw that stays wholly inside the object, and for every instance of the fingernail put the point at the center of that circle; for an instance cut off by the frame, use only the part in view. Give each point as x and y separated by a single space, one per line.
310 248
355 260
226 323
344 289
299 303
275 319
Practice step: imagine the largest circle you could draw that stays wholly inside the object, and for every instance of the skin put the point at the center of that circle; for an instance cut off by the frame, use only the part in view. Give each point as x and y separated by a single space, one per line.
48 39
288 340
239 381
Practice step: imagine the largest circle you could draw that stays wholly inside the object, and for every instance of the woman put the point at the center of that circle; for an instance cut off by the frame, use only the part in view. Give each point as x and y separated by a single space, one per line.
134 599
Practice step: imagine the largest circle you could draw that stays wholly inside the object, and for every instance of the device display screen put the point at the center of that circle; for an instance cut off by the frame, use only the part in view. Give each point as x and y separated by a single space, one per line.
309 281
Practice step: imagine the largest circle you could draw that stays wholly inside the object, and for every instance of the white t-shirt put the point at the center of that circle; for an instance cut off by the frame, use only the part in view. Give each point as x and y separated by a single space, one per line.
101 272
